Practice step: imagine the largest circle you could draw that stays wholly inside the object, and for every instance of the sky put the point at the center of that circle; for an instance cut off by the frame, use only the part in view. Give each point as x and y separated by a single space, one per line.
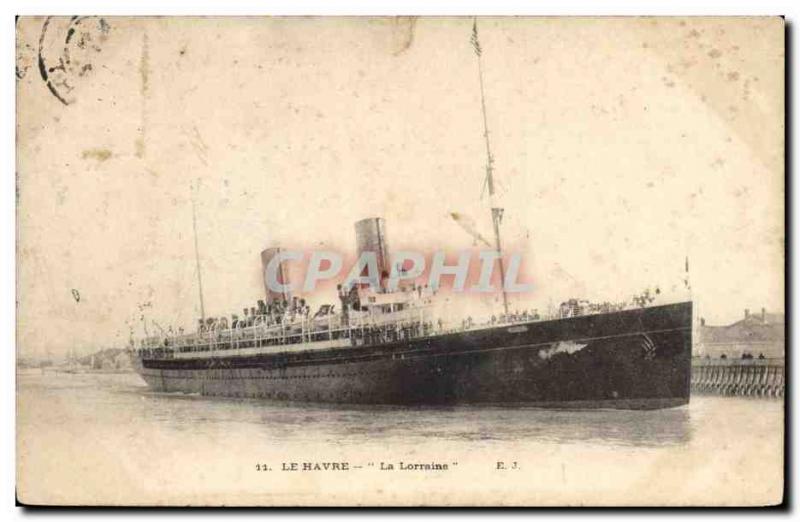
622 146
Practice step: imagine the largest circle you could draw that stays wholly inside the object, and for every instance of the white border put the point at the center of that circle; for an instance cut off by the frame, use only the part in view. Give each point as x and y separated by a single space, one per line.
416 7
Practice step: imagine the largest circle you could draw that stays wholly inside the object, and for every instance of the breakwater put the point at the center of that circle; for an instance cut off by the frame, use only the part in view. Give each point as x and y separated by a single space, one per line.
743 377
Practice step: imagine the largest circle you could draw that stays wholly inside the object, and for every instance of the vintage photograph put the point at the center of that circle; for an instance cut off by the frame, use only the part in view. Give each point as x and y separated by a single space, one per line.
400 261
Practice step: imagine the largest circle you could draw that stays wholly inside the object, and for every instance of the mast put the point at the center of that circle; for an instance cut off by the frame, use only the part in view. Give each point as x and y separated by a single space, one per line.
197 259
497 212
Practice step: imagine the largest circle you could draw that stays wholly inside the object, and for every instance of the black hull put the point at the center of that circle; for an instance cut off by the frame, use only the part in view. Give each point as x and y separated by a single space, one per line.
635 359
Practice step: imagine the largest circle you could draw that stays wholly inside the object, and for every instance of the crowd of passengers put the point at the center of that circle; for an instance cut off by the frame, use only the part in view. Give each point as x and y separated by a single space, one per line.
278 312
290 311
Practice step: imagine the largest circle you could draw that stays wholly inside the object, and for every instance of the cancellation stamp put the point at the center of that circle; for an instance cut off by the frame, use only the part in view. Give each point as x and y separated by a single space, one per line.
67 51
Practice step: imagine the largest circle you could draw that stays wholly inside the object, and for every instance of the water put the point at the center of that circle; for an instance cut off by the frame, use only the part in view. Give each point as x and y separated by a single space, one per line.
105 438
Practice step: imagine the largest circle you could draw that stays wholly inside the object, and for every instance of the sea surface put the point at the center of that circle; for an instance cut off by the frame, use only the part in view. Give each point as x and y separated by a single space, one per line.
95 438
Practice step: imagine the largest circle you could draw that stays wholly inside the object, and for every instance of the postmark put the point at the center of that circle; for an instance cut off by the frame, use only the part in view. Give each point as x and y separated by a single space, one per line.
67 51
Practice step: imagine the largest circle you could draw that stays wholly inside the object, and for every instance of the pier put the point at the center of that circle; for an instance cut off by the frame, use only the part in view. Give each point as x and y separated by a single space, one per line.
743 377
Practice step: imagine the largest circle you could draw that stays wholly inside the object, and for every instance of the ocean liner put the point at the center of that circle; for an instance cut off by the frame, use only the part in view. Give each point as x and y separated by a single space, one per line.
387 346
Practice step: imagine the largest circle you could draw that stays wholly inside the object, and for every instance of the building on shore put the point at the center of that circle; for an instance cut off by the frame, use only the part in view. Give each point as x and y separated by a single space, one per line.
759 335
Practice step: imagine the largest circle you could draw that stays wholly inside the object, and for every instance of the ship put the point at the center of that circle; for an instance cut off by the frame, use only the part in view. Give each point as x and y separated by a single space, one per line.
391 347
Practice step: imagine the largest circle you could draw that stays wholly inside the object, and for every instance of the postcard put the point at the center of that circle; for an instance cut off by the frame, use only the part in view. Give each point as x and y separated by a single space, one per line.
400 261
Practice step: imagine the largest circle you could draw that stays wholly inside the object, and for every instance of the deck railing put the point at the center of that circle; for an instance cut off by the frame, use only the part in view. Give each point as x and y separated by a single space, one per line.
377 327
